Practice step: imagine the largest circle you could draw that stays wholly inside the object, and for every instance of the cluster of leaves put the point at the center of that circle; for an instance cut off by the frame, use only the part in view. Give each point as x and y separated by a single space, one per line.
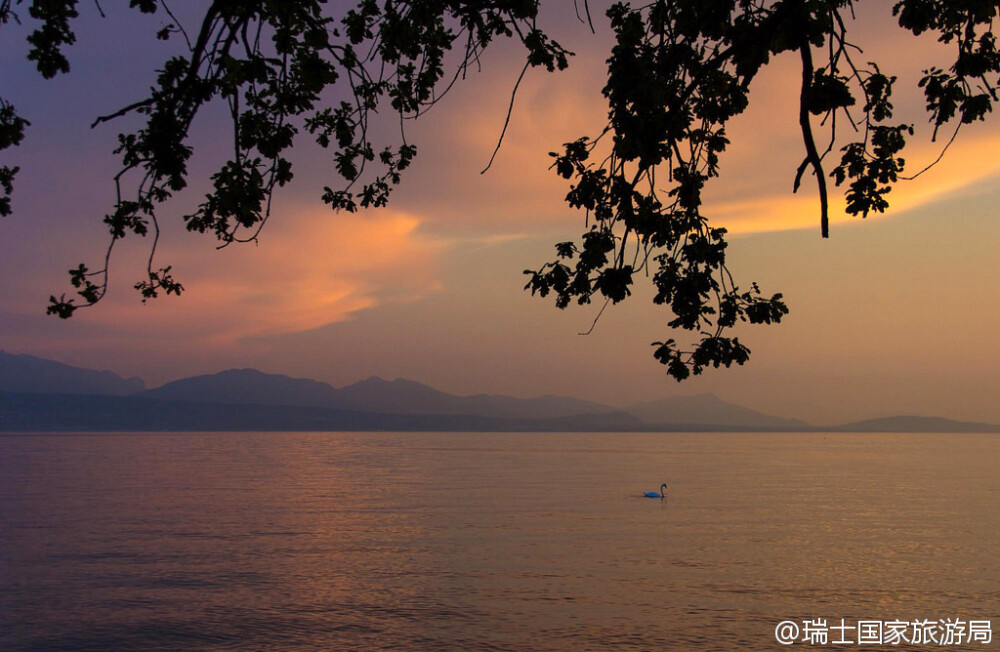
46 51
671 89
11 133
679 71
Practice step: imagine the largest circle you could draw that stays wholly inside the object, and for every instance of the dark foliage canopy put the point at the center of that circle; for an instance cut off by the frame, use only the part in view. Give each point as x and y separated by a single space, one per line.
678 72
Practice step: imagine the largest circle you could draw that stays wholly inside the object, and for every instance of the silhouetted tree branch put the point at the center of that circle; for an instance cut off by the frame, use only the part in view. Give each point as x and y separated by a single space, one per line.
678 72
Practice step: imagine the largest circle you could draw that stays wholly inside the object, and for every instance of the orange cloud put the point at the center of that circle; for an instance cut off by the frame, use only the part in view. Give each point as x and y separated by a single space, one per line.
308 270
966 163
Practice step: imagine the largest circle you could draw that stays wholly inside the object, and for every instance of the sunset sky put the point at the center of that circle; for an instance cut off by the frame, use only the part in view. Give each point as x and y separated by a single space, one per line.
897 314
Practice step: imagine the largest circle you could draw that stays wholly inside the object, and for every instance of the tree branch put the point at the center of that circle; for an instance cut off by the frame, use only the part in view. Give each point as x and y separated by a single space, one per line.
120 112
812 154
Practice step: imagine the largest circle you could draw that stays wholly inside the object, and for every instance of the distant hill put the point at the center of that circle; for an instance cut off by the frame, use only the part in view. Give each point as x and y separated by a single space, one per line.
708 409
915 424
26 373
408 397
248 386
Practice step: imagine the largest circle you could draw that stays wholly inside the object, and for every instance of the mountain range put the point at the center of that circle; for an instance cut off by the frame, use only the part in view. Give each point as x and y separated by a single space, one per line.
43 395
372 395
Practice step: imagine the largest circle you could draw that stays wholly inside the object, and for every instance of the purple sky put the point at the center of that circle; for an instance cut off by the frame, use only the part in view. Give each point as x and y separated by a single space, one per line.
897 314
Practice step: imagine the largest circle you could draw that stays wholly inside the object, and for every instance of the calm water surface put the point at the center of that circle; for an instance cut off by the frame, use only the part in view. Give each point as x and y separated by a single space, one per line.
487 541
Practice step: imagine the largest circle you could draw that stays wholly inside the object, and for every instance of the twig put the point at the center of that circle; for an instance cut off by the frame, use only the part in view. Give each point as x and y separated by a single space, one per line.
510 109
940 156
594 325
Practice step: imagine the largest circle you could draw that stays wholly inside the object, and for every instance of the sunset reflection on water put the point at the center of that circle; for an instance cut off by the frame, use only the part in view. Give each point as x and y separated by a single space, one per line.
487 541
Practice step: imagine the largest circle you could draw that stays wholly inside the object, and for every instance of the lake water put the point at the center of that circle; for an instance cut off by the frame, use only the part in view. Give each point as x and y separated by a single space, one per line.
488 541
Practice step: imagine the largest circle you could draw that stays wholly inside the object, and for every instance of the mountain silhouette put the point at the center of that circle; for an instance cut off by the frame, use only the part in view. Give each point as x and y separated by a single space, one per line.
915 424
248 386
709 409
21 412
29 374
402 396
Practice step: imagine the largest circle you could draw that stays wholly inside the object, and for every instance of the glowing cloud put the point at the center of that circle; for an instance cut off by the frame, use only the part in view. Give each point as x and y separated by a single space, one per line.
967 162
308 271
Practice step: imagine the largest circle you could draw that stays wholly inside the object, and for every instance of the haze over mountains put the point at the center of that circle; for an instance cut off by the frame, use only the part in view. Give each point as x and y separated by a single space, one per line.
28 374
38 394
